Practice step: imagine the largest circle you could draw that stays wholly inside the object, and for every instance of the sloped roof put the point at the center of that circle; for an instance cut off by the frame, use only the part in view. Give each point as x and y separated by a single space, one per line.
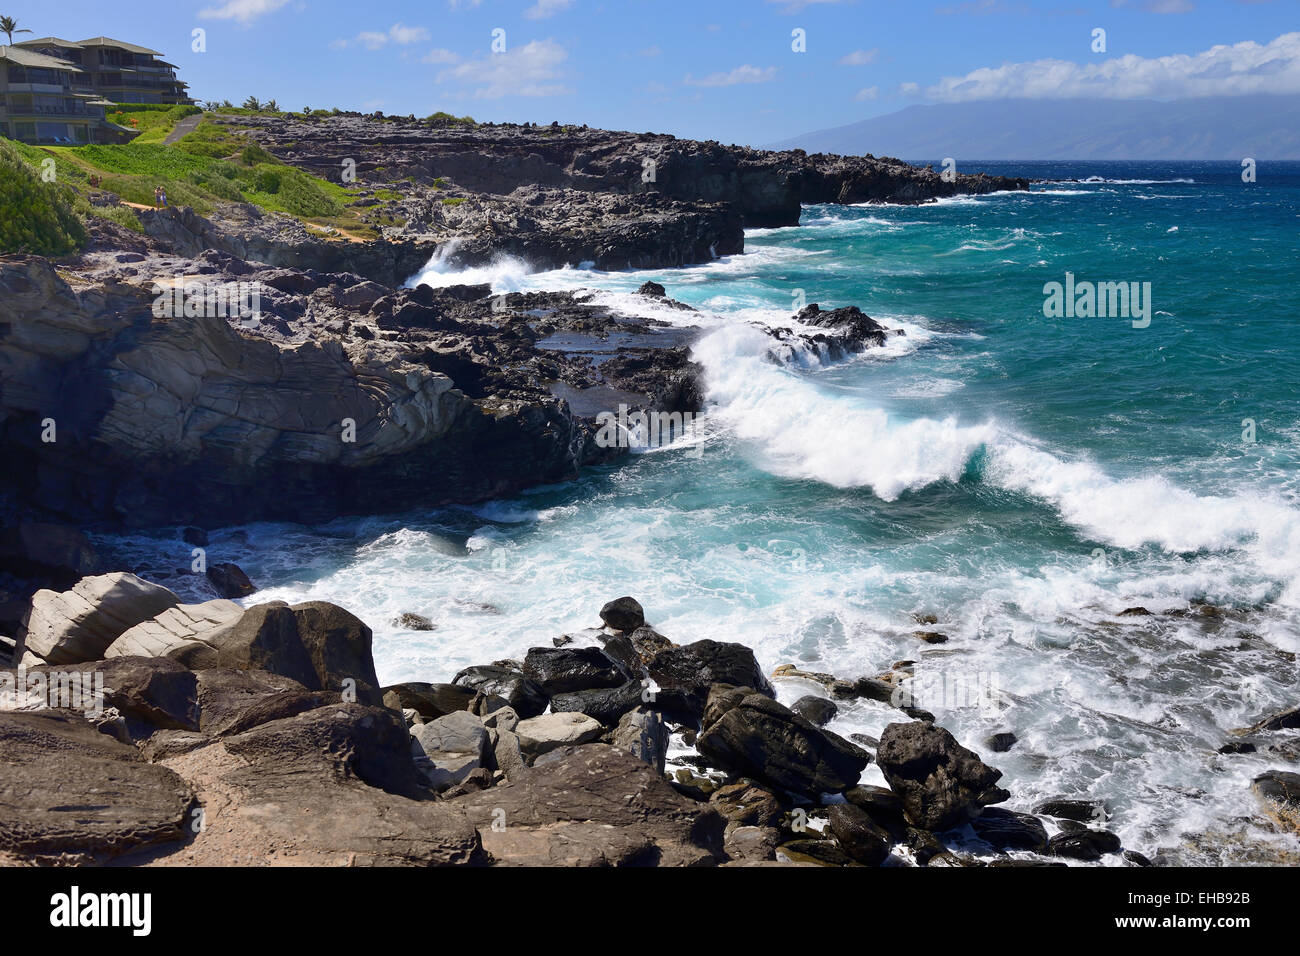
32 58
49 41
120 44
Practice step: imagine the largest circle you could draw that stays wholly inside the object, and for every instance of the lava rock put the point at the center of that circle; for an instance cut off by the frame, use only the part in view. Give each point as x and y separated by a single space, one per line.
623 614
941 784
815 710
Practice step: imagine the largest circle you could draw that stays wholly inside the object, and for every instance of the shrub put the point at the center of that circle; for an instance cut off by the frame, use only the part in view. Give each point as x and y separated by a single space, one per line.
35 216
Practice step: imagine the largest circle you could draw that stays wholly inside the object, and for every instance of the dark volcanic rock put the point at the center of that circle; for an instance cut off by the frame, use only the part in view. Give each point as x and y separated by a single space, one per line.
563 670
690 670
229 581
1084 844
759 738
523 695
1279 791
605 704
941 784
814 709
623 614
858 834
1080 811
1006 830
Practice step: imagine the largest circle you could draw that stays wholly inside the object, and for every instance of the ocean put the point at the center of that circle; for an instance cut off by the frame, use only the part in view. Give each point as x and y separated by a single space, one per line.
1009 479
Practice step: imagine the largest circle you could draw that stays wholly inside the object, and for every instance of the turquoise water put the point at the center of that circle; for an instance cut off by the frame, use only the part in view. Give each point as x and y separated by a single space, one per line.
1020 478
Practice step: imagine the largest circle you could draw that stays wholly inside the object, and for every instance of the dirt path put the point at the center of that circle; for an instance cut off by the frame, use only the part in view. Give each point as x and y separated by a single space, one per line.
186 125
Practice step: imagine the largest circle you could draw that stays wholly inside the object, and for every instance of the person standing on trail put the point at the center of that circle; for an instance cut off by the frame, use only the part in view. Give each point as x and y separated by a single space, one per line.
162 191
157 196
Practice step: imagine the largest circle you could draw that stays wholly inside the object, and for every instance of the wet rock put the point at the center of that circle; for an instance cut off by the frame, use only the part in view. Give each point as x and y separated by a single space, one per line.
747 804
1136 858
820 852
881 804
1007 830
751 843
195 536
1279 792
1084 844
815 710
1078 810
858 834
523 695
414 622
685 674
1001 743
1134 612
565 670
1282 720
755 736
1237 747
605 704
652 289
623 614
229 580
925 846
932 637
941 784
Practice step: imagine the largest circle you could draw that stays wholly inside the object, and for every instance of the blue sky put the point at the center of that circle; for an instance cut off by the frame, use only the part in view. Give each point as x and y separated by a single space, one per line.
710 69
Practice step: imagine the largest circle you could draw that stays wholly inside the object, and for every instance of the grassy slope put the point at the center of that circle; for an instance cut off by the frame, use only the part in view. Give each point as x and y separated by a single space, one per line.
213 164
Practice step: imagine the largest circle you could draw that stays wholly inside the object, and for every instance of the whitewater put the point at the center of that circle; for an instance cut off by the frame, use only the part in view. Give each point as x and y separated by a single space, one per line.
1011 481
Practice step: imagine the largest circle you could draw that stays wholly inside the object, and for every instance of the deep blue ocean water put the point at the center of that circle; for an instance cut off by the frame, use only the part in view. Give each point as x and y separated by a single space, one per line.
1020 478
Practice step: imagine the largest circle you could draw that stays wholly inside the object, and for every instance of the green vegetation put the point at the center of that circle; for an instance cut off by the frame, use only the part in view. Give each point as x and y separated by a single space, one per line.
454 201
35 216
154 121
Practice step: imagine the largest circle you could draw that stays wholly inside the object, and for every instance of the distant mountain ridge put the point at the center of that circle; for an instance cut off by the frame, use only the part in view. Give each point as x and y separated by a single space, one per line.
1224 127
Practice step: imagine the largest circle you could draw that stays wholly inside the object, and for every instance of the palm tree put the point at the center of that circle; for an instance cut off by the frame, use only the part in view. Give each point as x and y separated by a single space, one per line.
9 26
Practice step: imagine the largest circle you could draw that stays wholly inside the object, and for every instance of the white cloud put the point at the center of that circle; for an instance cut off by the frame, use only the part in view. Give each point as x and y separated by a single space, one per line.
1236 70
870 93
909 89
440 55
1161 6
546 8
531 70
245 11
399 34
859 57
741 74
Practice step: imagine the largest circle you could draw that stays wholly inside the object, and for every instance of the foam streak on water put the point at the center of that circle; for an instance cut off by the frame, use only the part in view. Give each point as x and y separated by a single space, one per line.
1020 478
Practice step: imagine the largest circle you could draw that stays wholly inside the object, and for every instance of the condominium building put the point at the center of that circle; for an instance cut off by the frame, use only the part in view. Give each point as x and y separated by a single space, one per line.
57 91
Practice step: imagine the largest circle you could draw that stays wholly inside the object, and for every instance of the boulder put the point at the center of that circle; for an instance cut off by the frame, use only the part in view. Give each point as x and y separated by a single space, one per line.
232 701
229 580
563 670
539 735
881 804
858 834
72 794
1007 830
414 622
757 737
333 786
1279 791
448 749
523 695
187 633
36 549
623 614
320 645
747 804
941 784
1282 720
80 624
430 701
1001 743
816 710
605 704
642 733
1084 844
601 786
817 852
1078 810
686 673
